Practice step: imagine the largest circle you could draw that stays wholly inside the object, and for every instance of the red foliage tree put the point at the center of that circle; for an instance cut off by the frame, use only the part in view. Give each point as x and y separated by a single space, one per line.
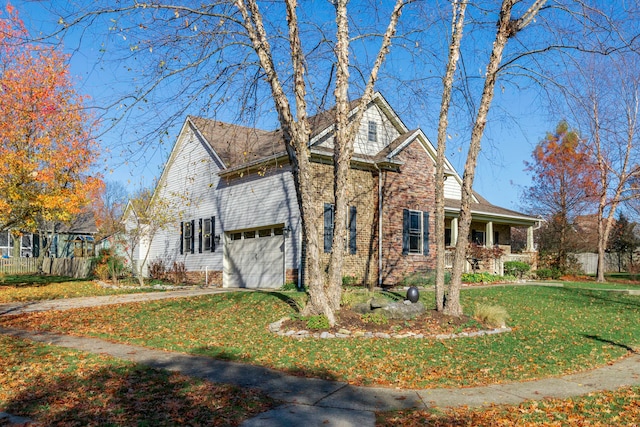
565 183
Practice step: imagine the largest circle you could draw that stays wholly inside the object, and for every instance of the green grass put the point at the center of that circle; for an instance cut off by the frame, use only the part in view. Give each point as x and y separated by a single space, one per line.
555 331
56 386
16 288
596 285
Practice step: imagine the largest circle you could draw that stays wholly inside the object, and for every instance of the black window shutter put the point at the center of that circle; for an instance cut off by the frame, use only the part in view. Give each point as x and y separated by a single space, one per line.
193 226
425 233
36 245
200 236
328 227
213 234
352 230
405 231
181 237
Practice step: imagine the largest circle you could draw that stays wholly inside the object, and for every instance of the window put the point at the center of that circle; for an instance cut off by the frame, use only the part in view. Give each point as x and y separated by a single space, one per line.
187 237
373 132
477 237
266 232
6 244
447 237
328 226
329 212
496 238
415 232
208 231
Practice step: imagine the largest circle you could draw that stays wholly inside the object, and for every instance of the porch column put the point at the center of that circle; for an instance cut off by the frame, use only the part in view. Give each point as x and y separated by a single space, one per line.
454 231
530 239
488 231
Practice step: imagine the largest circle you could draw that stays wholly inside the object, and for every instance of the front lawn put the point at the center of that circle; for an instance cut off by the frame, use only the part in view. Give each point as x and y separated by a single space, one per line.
555 331
611 408
28 287
55 386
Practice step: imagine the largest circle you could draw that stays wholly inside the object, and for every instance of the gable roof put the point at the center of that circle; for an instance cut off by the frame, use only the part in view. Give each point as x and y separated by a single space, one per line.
239 147
84 223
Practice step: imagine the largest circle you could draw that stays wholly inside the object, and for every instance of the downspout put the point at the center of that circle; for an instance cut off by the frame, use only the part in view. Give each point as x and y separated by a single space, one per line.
299 236
379 228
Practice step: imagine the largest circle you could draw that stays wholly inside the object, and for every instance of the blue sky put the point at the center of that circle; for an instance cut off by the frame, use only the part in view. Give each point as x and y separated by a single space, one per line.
517 122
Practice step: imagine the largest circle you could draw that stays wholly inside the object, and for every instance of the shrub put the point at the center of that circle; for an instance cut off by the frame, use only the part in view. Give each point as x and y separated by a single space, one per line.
101 271
491 315
108 265
178 273
318 322
516 268
548 273
157 269
353 296
289 286
481 278
349 280
423 278
376 317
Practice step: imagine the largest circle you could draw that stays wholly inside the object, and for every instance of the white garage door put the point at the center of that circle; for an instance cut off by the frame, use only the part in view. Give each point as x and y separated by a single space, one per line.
254 259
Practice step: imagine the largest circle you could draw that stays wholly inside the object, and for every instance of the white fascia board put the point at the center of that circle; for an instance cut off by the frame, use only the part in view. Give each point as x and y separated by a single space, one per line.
382 104
389 112
487 216
170 160
208 147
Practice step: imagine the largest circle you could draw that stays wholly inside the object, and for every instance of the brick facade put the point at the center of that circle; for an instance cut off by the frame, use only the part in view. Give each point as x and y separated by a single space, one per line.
361 193
410 188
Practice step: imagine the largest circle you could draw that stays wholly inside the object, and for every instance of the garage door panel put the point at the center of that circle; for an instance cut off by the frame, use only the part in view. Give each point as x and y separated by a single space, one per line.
255 262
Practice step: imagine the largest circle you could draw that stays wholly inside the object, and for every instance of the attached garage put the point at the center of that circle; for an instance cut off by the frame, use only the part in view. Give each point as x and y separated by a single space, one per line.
254 258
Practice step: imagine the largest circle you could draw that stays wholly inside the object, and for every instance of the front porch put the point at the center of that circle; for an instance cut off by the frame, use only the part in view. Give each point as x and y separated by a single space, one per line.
488 233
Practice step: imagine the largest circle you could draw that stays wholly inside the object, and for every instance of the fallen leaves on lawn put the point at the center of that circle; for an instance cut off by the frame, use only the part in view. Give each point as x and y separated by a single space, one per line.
619 408
62 387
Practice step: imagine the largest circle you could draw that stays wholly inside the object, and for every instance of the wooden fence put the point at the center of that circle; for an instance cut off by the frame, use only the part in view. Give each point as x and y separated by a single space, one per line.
79 268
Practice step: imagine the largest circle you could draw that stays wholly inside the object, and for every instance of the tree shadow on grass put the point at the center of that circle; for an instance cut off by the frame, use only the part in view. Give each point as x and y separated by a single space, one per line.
35 280
604 297
295 305
614 343
131 395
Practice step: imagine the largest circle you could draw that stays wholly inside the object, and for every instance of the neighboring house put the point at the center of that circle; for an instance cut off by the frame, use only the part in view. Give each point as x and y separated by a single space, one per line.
23 246
75 239
239 221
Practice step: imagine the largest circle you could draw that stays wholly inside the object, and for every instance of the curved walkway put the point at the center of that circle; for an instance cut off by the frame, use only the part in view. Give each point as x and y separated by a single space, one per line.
315 402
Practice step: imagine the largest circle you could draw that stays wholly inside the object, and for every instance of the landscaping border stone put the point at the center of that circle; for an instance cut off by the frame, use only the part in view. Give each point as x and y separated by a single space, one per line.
276 328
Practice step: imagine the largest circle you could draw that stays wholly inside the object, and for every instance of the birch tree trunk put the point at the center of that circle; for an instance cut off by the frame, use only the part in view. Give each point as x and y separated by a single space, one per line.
457 23
324 290
346 132
506 28
296 133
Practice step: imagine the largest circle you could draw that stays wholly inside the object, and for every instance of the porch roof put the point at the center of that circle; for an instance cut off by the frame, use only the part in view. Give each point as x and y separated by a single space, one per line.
485 211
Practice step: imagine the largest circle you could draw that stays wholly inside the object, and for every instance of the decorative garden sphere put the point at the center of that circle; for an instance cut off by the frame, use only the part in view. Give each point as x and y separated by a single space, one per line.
412 294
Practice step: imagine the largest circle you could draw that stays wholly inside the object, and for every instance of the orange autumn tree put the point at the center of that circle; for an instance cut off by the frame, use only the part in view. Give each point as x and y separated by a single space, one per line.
46 149
564 177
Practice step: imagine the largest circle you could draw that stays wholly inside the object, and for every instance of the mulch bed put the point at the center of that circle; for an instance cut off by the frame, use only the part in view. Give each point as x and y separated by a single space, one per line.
432 322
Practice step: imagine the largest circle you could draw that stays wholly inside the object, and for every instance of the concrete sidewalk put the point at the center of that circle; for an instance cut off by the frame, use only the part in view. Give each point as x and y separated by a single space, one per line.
70 303
315 402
